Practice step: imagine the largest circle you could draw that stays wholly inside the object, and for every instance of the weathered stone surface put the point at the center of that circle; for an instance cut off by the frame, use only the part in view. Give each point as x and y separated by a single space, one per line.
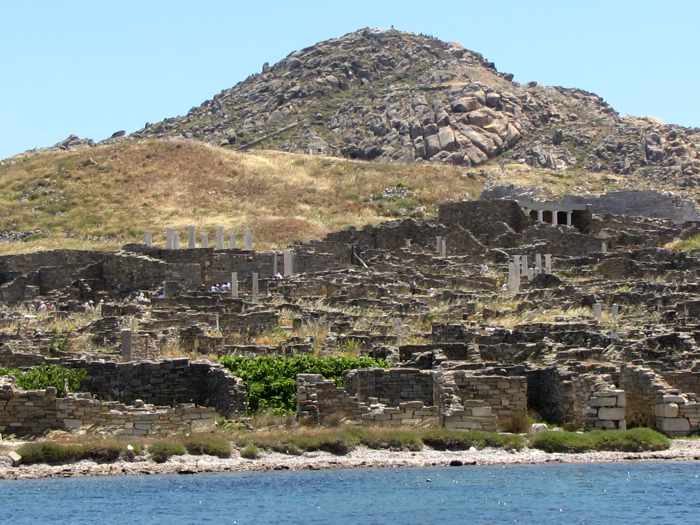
611 413
673 425
667 410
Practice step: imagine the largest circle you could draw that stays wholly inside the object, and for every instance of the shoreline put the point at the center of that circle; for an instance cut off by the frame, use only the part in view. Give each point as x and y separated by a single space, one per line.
680 450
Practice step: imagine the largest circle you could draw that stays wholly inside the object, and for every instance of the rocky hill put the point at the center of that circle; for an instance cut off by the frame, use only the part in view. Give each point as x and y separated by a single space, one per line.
397 96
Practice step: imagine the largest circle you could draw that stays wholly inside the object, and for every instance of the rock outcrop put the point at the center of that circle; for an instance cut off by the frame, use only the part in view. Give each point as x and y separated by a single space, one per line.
396 96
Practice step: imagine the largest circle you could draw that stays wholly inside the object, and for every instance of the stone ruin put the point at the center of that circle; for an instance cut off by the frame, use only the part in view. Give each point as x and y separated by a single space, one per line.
491 312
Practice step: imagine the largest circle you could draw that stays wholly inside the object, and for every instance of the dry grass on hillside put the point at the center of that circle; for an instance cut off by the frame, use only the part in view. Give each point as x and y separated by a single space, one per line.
576 181
554 183
106 196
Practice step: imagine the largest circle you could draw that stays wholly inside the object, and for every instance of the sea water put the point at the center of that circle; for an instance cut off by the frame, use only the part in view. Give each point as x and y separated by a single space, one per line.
633 493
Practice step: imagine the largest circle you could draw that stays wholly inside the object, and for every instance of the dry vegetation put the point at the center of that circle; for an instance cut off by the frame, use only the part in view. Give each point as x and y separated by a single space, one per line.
554 183
106 196
691 244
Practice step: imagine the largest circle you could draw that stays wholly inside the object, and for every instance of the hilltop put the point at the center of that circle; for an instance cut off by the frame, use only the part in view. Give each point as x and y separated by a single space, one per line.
403 97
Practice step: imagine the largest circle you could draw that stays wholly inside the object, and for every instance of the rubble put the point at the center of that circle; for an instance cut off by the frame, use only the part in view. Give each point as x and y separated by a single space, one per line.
490 313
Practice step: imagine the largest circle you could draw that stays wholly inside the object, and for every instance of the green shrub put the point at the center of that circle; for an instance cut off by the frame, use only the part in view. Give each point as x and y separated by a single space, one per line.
48 452
555 441
634 440
443 439
389 438
271 380
250 452
338 446
335 441
41 377
102 451
344 439
208 444
161 451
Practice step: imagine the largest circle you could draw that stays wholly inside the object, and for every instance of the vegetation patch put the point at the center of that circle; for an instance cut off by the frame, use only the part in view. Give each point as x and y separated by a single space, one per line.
390 438
48 452
108 195
162 451
690 244
42 377
344 439
634 440
271 380
54 453
339 441
444 439
208 444
250 452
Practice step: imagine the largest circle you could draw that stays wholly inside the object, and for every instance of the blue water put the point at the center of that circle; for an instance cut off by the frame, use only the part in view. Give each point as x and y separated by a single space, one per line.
571 494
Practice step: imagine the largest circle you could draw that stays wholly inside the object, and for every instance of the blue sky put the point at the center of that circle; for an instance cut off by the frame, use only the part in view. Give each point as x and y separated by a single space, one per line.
92 68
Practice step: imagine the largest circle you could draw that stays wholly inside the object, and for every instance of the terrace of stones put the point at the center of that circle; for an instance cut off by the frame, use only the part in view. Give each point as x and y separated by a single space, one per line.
588 322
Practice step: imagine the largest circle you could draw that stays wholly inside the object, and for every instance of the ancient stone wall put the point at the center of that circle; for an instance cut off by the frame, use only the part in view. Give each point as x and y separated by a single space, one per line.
642 203
457 413
34 412
128 271
456 399
251 323
68 260
605 404
505 396
481 218
244 263
139 346
165 382
14 290
559 241
321 401
26 412
641 386
651 401
390 235
312 260
684 380
390 386
574 397
10 359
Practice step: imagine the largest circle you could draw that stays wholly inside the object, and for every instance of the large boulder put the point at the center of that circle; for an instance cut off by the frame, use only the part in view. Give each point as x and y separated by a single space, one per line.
465 105
447 139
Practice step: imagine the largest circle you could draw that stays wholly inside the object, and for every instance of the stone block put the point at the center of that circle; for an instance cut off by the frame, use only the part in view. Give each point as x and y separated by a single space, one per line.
606 413
481 411
666 410
608 425
15 458
673 424
603 401
622 399
72 424
671 398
